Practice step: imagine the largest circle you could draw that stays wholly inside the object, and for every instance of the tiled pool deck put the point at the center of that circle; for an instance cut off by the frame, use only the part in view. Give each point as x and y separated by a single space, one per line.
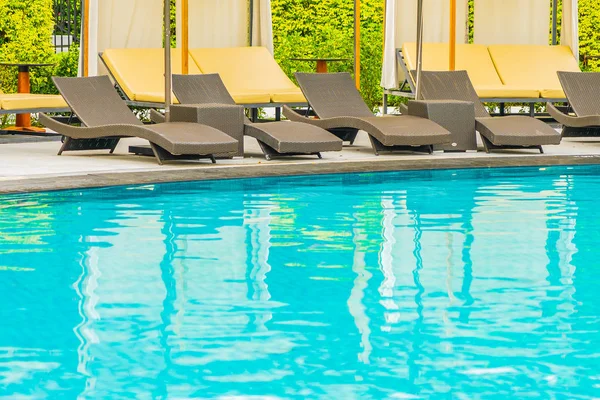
34 166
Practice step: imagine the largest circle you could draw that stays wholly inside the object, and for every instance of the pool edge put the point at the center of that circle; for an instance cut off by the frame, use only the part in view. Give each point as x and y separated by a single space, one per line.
107 179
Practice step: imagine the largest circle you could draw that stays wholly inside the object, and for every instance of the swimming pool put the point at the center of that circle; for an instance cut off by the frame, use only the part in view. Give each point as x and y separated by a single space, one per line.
462 284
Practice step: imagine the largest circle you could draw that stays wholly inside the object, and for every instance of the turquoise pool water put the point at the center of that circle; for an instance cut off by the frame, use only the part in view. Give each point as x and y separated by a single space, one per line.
450 284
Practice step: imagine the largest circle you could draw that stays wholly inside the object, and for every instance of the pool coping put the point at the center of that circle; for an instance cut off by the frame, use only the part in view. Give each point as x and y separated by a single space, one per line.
113 178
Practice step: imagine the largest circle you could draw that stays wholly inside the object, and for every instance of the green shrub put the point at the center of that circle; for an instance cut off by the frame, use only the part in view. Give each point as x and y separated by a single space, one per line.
25 36
589 31
325 28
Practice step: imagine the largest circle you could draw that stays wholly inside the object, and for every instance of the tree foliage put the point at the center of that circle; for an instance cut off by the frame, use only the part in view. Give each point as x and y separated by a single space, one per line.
589 31
325 28
26 28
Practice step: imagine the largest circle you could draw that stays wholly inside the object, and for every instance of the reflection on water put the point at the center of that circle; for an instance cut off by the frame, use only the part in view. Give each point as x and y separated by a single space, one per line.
471 283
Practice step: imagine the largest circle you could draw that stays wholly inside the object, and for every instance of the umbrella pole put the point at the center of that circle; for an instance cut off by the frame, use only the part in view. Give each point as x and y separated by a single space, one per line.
86 38
419 48
452 38
554 22
168 73
185 37
357 43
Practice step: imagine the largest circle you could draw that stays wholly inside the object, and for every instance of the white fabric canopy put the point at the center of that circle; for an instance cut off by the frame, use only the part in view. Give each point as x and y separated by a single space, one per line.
512 22
401 27
496 22
225 23
570 26
122 24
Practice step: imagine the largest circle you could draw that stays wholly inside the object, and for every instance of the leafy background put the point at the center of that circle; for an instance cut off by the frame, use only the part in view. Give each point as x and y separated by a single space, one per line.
301 28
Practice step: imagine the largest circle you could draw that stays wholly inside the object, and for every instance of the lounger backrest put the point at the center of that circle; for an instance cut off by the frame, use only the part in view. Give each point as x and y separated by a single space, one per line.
141 72
450 85
95 101
244 69
473 58
583 91
332 95
533 65
201 89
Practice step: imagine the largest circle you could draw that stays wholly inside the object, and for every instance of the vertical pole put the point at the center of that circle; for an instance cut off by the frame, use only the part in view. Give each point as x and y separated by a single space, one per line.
85 32
452 39
168 74
357 43
251 22
185 39
554 22
419 48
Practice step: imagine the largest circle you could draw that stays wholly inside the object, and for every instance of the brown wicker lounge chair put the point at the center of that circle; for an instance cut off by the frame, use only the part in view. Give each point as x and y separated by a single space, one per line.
274 138
106 119
510 132
338 104
583 93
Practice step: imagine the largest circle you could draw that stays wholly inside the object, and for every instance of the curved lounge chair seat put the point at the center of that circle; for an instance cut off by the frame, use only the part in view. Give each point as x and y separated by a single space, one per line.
275 138
292 137
338 104
516 130
177 138
106 118
403 130
496 132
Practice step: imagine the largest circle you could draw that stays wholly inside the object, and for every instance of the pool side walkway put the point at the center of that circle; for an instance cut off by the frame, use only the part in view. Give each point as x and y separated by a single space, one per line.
34 166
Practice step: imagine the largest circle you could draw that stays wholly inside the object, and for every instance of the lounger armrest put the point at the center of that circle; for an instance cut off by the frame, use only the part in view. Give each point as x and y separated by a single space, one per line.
227 118
157 117
292 115
571 120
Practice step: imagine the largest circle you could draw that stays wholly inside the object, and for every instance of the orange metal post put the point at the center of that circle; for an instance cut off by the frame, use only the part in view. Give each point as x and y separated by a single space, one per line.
23 120
86 38
357 43
452 38
185 44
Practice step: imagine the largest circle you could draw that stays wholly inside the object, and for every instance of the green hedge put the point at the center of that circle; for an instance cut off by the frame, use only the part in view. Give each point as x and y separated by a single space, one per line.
26 28
325 28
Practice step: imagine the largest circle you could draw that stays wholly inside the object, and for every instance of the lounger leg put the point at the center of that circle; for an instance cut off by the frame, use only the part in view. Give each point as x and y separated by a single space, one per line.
485 144
64 145
112 150
430 149
156 152
374 145
213 159
277 113
320 156
541 150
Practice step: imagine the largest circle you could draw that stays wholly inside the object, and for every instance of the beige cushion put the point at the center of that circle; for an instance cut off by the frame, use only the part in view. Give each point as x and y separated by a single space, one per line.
288 96
473 58
141 72
533 66
248 70
506 92
26 101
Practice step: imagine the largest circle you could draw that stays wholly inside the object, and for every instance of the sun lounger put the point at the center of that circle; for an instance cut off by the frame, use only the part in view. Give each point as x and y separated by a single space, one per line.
275 138
338 104
249 72
583 93
140 73
499 73
106 119
508 132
